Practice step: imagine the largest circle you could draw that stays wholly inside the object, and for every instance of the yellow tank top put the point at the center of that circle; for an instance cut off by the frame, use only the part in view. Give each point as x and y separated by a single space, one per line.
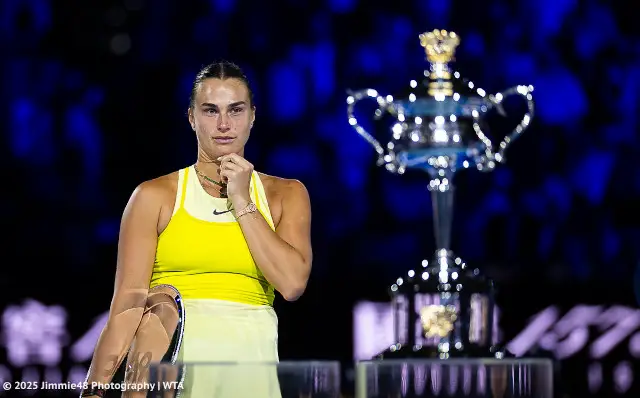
202 251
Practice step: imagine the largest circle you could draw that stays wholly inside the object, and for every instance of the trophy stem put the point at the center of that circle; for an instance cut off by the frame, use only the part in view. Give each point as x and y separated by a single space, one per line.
442 194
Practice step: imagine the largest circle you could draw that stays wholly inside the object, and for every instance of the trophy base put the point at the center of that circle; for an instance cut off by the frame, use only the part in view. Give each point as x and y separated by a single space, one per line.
457 378
400 351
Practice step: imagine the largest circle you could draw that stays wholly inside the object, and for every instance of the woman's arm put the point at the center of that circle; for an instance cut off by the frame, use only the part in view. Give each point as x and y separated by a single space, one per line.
283 256
136 252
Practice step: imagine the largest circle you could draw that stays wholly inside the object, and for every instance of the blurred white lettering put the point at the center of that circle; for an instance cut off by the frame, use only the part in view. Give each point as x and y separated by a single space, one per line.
34 333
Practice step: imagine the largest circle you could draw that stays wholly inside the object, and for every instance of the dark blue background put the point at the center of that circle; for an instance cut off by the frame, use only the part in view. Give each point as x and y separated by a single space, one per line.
93 101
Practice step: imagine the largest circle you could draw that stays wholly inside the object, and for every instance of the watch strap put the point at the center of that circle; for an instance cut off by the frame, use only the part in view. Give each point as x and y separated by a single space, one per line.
93 392
250 208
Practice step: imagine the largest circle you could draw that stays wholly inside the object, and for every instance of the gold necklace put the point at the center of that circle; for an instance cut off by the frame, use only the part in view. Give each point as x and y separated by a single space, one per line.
223 187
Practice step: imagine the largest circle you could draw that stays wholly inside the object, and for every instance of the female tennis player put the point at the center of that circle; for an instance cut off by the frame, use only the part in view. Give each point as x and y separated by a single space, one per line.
225 237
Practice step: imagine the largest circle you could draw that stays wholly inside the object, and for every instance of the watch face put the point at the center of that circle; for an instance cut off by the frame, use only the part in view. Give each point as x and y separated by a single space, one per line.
251 207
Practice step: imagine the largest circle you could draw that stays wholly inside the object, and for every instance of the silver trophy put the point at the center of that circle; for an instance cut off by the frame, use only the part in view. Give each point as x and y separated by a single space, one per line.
443 308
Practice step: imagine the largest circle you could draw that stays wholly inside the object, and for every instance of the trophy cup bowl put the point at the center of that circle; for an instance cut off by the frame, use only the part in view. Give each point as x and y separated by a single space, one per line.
442 308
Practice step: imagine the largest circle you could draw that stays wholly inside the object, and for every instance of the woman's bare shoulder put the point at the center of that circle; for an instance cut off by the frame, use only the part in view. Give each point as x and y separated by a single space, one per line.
281 187
159 189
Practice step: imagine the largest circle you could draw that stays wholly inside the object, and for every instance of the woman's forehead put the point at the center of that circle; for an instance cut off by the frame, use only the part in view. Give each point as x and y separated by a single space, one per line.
224 91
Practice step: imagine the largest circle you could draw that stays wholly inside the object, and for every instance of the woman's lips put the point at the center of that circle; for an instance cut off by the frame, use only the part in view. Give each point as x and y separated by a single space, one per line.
223 140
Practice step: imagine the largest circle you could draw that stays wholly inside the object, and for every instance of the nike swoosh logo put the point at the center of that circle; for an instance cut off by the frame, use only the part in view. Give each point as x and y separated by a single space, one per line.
217 213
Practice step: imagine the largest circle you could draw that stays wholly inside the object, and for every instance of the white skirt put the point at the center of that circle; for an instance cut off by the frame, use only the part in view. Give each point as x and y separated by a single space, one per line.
222 331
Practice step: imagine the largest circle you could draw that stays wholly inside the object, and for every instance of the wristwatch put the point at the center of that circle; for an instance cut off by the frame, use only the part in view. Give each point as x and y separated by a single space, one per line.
250 208
93 392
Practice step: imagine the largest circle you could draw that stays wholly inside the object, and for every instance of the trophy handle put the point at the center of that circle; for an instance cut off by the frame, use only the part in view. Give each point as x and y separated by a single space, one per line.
352 99
497 99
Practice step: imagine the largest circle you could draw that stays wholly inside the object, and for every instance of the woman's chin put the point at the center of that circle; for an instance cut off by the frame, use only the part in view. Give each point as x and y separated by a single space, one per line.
225 151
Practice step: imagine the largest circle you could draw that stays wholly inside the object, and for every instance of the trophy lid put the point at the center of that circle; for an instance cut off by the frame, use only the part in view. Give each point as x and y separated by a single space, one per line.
439 45
441 91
